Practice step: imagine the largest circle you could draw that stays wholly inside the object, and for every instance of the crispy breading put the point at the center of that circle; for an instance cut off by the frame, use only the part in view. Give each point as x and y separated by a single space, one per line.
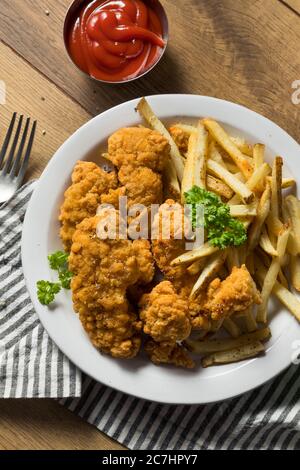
142 249
140 147
165 314
103 270
140 156
181 138
142 185
235 294
166 353
82 198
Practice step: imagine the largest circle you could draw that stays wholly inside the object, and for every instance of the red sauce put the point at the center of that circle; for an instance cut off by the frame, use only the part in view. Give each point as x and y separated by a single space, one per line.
115 40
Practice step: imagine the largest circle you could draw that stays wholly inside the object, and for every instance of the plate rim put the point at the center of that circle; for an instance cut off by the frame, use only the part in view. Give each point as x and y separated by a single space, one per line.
26 238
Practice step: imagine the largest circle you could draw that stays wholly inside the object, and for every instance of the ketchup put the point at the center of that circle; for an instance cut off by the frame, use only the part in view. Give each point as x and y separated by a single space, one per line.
115 40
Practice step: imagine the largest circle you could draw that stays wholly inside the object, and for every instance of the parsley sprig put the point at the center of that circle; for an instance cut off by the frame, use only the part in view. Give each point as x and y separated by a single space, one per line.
222 229
46 290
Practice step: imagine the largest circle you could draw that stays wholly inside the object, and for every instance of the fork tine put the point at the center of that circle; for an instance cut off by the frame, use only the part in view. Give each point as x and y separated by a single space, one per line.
27 155
7 138
13 148
21 148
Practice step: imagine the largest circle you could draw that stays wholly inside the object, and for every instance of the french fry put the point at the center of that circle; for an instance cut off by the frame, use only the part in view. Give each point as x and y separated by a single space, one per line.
214 154
262 213
276 184
243 210
295 272
196 267
171 184
223 139
194 255
232 258
226 344
254 181
234 355
250 262
293 208
185 127
147 113
272 274
250 321
289 300
258 155
232 328
243 146
286 182
219 187
266 244
282 279
195 166
231 180
211 269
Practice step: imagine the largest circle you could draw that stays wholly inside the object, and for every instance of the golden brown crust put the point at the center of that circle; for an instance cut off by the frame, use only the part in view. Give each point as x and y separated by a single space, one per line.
140 147
235 294
165 314
181 138
103 270
82 198
166 353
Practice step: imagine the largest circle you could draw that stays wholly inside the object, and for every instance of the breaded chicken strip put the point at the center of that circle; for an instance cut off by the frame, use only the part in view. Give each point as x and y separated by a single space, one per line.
142 249
82 198
165 314
166 250
103 270
140 155
166 353
235 294
140 147
181 138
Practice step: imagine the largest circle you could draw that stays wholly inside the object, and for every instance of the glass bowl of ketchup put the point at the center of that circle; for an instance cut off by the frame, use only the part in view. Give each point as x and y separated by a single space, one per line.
116 41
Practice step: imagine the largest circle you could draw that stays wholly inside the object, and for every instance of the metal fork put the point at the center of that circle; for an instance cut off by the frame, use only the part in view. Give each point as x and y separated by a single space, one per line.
13 168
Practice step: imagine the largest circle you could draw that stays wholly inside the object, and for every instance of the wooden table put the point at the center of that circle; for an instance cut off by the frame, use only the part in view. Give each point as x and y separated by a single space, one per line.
245 51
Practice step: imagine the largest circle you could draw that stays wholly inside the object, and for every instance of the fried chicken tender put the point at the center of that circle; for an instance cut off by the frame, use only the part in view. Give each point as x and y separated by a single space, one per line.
166 353
140 156
181 138
166 249
236 293
103 271
82 198
142 249
140 147
165 314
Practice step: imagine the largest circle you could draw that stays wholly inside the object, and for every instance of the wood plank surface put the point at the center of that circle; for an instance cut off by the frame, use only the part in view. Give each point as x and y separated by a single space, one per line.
293 4
244 51
41 424
240 50
45 425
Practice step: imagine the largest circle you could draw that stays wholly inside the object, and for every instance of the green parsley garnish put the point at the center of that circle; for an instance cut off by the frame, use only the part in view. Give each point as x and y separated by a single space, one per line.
222 229
46 290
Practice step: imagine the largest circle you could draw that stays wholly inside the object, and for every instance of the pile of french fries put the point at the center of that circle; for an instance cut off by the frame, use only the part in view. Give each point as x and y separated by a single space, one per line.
237 172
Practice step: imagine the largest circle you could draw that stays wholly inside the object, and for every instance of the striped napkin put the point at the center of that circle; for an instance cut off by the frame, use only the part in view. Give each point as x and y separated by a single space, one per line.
30 363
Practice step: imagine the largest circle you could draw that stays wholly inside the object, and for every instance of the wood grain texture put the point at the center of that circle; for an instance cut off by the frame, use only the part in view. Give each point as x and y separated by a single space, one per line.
28 92
293 4
244 51
240 50
45 425
41 424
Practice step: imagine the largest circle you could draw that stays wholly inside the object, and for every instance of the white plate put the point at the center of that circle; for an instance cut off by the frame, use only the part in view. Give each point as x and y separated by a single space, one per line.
139 377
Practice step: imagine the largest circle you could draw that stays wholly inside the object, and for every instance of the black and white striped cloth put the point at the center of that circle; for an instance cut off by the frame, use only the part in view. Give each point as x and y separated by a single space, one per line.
266 418
31 365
